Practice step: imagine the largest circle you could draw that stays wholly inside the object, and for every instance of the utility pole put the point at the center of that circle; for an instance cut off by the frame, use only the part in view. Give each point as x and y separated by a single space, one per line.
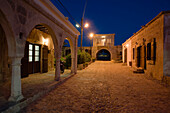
81 34
82 27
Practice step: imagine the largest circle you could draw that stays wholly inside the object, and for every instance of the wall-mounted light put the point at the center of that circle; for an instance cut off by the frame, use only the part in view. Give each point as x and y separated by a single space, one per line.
45 41
103 36
127 45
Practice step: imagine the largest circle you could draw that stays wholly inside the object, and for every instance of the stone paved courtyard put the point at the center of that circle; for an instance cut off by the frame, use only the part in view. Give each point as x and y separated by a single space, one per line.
105 87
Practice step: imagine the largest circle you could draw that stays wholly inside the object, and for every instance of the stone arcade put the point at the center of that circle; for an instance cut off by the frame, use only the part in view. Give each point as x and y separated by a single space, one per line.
32 35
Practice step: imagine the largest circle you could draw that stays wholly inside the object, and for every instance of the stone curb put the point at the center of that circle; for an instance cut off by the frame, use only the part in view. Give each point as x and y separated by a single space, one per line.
17 107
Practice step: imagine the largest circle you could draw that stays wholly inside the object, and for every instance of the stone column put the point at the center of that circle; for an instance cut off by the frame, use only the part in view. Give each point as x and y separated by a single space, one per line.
75 55
57 69
16 91
73 65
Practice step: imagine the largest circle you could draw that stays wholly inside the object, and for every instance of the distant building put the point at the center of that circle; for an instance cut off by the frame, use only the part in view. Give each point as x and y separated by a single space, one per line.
149 48
104 48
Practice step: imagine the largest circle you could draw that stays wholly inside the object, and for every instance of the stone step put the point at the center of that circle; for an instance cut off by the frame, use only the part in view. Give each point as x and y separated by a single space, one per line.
139 70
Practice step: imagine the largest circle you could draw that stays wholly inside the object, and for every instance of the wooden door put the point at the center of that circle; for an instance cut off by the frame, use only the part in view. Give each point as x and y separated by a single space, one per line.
142 57
30 58
36 58
138 56
31 61
45 59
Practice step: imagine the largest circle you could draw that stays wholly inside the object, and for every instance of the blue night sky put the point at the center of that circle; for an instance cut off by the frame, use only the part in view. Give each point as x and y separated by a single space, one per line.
122 17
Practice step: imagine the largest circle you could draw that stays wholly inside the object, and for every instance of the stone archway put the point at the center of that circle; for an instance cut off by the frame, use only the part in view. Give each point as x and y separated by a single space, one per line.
39 51
104 55
12 60
72 55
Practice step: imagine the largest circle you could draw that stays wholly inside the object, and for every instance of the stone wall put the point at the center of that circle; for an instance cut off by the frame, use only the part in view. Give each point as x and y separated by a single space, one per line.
167 45
150 32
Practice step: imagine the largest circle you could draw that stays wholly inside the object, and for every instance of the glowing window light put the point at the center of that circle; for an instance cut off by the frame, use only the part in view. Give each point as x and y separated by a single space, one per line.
103 36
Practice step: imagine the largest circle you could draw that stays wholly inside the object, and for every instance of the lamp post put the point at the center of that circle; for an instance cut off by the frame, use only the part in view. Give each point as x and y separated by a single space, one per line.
86 25
91 37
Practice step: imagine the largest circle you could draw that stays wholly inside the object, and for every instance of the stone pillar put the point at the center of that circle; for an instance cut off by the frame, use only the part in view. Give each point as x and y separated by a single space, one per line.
72 65
75 57
57 69
16 91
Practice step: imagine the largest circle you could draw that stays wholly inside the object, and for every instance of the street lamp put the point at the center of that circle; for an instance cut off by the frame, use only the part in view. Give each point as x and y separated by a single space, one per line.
82 25
86 25
91 37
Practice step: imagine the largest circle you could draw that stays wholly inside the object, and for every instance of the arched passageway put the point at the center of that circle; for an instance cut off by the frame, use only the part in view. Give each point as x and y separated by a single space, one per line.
103 55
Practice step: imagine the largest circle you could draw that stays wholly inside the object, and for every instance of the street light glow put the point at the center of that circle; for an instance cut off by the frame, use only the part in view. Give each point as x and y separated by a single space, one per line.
86 25
91 35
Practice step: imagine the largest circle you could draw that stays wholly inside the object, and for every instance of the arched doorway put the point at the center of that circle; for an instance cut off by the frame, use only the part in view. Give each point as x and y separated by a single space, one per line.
38 53
104 55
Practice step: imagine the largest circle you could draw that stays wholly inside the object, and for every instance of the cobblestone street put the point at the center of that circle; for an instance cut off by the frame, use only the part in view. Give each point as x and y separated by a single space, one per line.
105 87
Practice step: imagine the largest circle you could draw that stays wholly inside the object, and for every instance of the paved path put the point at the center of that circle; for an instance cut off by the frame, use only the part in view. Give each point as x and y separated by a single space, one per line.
105 87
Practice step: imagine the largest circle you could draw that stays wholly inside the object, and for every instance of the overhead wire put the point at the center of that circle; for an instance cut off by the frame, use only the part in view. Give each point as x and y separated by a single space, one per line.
67 11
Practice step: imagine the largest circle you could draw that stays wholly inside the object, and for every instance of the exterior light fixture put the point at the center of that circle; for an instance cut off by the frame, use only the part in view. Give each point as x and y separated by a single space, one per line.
86 25
127 45
77 25
91 35
45 41
103 36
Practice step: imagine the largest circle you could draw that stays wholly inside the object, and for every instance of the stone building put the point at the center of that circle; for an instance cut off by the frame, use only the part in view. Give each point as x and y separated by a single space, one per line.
104 48
149 48
32 33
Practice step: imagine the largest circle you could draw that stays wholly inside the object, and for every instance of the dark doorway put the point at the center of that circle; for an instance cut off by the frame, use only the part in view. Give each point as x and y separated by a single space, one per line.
138 56
144 57
103 55
45 59
125 55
